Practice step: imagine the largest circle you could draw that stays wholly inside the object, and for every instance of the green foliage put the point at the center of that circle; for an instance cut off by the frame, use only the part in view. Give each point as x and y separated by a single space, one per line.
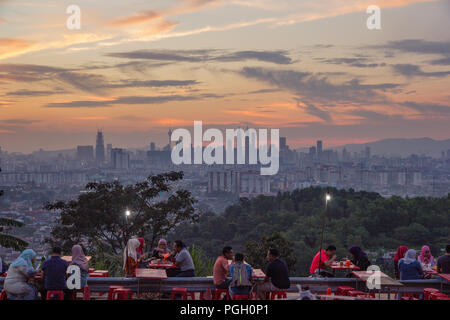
256 251
353 218
98 215
203 265
7 240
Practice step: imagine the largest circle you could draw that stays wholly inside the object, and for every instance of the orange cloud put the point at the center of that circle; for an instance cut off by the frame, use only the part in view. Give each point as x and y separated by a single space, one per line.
10 47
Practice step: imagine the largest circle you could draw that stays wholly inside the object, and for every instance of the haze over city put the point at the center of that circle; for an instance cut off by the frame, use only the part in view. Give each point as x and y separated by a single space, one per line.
311 69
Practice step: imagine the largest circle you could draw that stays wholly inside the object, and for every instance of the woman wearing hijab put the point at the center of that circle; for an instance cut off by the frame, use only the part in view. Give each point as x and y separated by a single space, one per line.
130 257
409 267
140 252
399 255
359 258
426 257
160 250
19 272
80 260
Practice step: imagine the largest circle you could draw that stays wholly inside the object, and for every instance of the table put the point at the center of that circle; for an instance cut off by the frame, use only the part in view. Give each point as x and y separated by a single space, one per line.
336 266
69 258
164 265
385 280
258 274
158 274
445 276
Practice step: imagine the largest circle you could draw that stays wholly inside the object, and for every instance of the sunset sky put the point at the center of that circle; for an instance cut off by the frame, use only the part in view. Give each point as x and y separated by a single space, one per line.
135 68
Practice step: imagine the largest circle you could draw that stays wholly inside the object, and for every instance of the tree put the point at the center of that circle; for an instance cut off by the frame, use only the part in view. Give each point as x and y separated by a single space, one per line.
7 240
256 252
98 215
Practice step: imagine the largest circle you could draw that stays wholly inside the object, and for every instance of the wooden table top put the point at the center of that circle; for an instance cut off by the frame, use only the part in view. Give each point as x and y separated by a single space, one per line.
165 265
385 280
151 273
69 258
258 273
336 266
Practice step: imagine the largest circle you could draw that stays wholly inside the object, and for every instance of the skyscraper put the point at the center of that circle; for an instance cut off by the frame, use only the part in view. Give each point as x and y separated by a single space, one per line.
100 149
319 149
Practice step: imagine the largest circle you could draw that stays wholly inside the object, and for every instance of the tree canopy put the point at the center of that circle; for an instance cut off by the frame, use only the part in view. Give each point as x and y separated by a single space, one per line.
98 216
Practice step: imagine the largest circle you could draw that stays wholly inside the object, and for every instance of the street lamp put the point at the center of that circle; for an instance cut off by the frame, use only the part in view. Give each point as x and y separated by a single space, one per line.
127 213
327 198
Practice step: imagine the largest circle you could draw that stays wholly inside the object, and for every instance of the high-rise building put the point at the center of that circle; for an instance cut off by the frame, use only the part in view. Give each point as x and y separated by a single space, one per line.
312 153
100 149
319 149
367 152
282 143
85 153
152 146
120 159
108 152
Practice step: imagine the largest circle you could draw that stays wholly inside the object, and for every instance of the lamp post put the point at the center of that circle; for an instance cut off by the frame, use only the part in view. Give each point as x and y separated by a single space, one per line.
327 198
127 214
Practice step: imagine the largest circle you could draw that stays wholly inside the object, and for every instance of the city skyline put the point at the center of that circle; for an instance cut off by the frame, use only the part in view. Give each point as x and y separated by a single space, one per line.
136 70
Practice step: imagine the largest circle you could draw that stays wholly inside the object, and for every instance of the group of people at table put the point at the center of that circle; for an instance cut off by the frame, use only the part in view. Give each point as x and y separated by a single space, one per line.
230 272
407 264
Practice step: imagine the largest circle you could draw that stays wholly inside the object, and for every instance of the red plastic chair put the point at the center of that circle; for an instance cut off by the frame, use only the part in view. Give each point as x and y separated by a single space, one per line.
3 295
355 293
111 291
52 293
428 291
278 295
122 294
242 297
343 290
438 296
218 294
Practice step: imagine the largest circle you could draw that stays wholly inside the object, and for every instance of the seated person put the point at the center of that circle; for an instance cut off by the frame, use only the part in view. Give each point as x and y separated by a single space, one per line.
130 258
326 257
182 260
426 257
55 270
443 262
277 275
80 260
140 252
19 272
161 250
409 267
359 258
241 274
221 269
400 254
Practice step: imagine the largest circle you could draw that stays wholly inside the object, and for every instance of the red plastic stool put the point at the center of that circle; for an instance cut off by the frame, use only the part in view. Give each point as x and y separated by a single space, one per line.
442 298
409 298
181 291
3 295
242 297
427 292
343 290
58 293
218 294
278 295
355 293
438 295
111 291
122 294
86 293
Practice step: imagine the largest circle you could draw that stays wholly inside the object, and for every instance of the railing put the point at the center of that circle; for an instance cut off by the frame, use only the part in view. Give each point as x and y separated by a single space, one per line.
198 284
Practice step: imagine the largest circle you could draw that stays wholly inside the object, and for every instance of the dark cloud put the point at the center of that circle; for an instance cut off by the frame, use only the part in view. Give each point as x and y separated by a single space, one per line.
428 108
315 111
264 91
33 93
312 87
411 70
419 46
441 62
360 62
277 57
130 100
17 122
370 115
154 83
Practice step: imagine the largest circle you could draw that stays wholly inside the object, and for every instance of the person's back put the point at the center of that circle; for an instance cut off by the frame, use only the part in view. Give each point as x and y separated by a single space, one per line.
55 273
241 274
410 271
278 272
443 262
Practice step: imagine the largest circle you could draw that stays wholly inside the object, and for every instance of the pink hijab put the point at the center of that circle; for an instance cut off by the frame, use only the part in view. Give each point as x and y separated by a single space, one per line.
425 259
78 258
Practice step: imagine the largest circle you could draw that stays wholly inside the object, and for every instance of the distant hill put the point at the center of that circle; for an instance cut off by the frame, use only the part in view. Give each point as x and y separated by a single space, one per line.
402 147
